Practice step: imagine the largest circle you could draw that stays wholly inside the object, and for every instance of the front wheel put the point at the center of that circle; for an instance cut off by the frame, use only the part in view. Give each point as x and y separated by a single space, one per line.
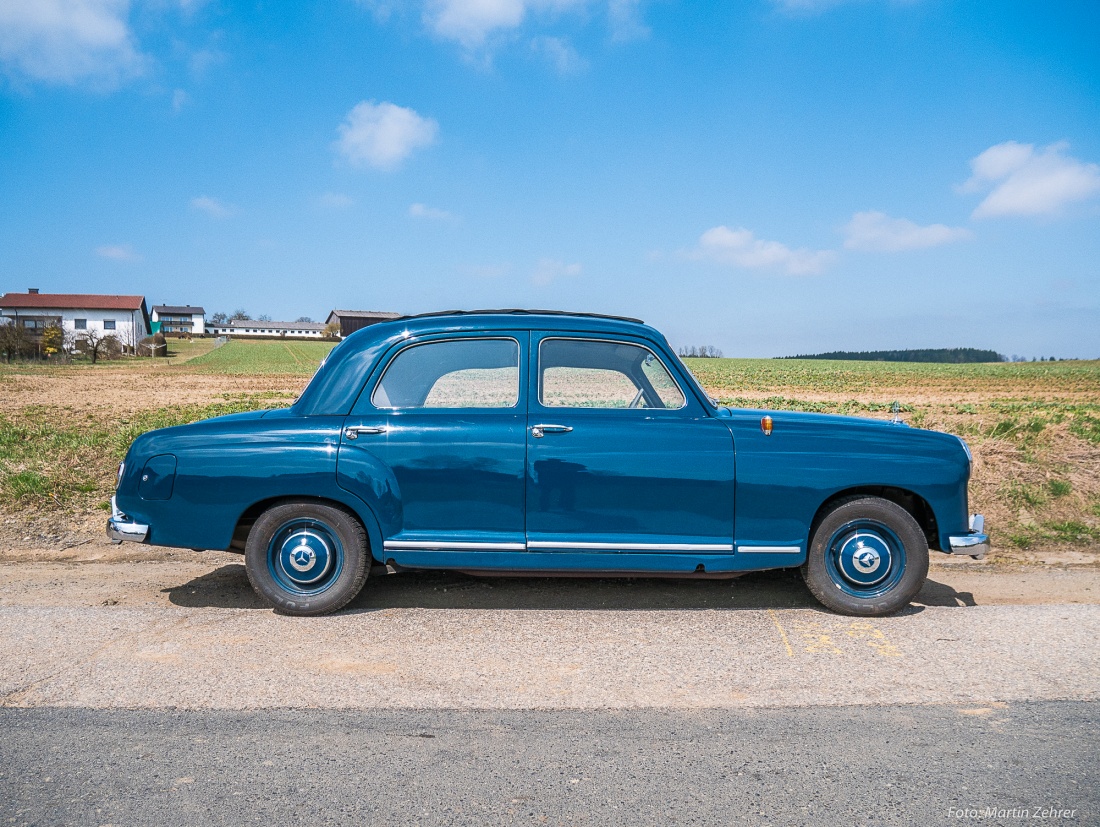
868 557
306 558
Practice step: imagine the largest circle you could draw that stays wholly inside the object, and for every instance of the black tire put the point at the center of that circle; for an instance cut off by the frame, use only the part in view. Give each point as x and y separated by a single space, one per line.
306 558
868 557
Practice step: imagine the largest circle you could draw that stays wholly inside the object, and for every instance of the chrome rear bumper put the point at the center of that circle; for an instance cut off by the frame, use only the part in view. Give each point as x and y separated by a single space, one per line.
976 543
121 528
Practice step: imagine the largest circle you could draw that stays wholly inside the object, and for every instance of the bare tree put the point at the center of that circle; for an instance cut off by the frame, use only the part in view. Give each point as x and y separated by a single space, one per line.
332 330
219 319
14 340
97 344
263 317
701 352
240 315
303 319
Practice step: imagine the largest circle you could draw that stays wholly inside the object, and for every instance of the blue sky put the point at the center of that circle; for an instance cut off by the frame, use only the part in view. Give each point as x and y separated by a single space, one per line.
768 176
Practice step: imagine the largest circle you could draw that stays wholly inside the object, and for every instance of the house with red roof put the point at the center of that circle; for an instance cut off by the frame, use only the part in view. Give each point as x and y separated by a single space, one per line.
124 317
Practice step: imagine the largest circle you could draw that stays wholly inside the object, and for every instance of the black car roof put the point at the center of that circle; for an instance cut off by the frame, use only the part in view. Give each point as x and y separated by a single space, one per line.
517 312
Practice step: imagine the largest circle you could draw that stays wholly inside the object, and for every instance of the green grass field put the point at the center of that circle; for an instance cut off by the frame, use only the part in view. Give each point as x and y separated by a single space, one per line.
772 377
256 357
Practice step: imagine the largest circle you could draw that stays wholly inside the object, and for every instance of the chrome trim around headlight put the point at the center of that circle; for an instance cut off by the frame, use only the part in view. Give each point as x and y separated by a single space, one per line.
121 528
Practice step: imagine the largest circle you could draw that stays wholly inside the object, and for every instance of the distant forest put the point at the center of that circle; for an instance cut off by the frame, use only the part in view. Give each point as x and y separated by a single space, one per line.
953 355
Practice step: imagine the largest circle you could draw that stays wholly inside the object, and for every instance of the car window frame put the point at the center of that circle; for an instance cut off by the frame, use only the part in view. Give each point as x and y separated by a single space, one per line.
372 384
536 373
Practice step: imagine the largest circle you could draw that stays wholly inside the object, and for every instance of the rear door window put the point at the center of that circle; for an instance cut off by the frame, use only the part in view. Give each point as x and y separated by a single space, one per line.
453 373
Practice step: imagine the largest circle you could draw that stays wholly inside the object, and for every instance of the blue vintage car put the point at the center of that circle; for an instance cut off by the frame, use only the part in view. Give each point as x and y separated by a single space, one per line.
519 441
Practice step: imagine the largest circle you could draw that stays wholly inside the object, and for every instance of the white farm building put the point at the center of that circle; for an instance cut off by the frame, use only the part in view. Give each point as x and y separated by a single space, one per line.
251 327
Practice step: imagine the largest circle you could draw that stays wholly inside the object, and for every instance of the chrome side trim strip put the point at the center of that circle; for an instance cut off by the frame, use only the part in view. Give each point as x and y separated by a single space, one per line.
635 546
448 545
770 549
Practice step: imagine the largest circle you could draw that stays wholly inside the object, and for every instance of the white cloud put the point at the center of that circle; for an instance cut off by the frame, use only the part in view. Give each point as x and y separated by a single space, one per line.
212 207
470 21
382 135
626 20
878 231
1026 181
117 252
742 248
381 9
179 99
334 201
549 270
433 213
560 53
69 41
202 61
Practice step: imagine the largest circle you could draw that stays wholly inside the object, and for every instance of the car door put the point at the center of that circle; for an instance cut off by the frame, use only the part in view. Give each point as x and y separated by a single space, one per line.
620 457
436 445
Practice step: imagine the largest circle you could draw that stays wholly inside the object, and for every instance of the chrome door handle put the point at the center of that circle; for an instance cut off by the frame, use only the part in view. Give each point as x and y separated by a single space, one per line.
353 431
537 431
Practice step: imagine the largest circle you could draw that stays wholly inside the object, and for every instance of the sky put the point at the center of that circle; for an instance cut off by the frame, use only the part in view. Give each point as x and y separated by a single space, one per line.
768 177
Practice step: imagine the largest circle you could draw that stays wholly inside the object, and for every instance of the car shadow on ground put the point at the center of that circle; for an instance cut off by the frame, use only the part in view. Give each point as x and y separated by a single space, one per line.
227 587
941 594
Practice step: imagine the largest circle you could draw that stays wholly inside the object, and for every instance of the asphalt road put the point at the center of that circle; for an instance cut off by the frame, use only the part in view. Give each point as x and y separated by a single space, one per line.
450 700
820 766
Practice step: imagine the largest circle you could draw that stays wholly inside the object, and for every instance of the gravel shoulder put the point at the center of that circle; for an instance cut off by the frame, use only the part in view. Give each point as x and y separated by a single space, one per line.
102 574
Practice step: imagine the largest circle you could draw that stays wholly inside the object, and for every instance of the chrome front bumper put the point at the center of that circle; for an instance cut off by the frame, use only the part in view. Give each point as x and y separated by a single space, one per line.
976 543
120 527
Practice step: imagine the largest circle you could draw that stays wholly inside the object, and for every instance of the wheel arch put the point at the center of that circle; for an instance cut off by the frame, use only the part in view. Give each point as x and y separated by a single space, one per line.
917 506
361 513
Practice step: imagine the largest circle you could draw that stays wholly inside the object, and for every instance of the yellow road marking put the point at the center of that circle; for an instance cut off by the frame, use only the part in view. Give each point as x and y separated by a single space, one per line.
815 637
782 634
862 630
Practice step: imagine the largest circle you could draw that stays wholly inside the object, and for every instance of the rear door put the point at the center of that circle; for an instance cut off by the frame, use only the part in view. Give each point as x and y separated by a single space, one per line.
436 445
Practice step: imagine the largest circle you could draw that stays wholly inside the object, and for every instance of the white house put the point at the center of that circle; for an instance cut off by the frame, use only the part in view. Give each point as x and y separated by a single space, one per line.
124 317
251 327
177 320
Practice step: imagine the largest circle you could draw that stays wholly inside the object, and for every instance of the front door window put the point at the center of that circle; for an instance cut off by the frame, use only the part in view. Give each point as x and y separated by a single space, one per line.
577 373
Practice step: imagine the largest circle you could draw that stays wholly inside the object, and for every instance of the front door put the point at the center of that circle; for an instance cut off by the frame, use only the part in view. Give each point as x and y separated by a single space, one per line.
436 446
620 458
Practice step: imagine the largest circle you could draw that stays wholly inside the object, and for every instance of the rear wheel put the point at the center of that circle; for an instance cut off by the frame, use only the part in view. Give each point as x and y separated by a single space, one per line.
307 558
868 557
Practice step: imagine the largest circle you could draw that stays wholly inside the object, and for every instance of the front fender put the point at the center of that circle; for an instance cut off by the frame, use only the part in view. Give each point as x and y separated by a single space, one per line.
784 478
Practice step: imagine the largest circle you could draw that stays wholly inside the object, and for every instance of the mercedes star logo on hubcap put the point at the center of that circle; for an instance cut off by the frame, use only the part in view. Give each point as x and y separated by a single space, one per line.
303 557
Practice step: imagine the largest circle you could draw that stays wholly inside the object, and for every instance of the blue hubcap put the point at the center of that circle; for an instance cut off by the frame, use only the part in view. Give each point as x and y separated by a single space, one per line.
865 558
305 556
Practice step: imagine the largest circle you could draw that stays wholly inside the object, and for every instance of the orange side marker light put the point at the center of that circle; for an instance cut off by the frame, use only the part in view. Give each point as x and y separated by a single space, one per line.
766 425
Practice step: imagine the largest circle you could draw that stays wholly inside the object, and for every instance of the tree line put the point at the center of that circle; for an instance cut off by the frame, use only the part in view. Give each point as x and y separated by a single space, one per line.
950 355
